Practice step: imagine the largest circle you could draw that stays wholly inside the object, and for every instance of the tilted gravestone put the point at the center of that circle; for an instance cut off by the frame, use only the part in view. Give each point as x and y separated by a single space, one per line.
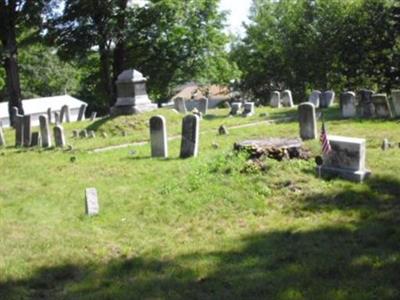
365 106
348 105
396 102
190 136
287 99
19 130
2 138
248 109
275 99
203 105
235 108
81 114
307 121
49 115
65 114
45 131
91 202
35 139
180 106
327 98
346 159
158 137
315 98
381 105
27 131
59 136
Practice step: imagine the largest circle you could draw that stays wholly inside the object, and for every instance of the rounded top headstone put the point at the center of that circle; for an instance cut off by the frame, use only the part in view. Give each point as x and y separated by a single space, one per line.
131 75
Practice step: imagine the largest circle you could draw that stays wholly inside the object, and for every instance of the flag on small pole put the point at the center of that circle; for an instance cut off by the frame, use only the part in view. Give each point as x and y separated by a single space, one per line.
326 146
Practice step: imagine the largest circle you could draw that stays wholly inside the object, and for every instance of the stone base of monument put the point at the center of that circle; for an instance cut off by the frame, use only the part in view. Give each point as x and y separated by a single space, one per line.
131 110
356 176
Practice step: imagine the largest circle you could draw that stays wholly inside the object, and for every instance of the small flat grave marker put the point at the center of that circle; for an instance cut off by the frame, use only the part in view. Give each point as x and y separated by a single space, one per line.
91 202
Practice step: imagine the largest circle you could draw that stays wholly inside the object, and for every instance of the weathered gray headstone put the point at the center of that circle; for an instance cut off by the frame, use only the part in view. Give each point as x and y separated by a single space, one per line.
348 104
382 107
49 115
275 99
93 116
385 144
81 114
56 118
180 105
235 108
19 130
59 137
327 98
45 131
91 202
203 105
27 131
365 106
287 99
2 138
248 109
346 159
307 121
315 98
35 139
83 133
65 114
190 136
396 102
158 137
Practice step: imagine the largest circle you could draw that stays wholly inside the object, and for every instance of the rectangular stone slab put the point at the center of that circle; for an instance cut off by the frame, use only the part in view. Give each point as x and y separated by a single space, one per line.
91 202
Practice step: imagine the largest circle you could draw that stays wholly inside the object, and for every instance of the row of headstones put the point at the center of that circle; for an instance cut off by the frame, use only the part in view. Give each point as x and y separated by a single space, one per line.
281 99
189 141
84 133
368 104
248 109
180 105
322 99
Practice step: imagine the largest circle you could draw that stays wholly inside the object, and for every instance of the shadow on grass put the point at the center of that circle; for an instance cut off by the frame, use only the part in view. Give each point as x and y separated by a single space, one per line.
356 260
100 122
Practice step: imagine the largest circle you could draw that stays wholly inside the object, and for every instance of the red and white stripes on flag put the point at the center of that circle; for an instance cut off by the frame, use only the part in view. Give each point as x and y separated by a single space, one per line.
326 146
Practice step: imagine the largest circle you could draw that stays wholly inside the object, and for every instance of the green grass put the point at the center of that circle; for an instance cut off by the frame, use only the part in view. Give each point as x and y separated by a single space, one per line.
198 228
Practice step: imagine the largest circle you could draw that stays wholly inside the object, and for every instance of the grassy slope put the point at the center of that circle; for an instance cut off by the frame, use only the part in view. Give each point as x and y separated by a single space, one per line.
198 228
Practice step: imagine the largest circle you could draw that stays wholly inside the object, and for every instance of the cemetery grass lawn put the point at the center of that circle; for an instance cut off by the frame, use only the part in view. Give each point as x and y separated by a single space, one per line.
207 228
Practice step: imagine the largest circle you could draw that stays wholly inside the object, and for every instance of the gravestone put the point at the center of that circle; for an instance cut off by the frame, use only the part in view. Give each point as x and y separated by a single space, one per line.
248 109
26 141
203 105
83 133
65 114
287 99
19 130
315 98
326 99
2 138
190 136
275 99
91 134
365 106
223 130
180 106
49 115
35 139
59 137
346 159
381 105
307 121
235 108
158 137
45 131
396 102
81 114
348 104
93 116
91 202
56 118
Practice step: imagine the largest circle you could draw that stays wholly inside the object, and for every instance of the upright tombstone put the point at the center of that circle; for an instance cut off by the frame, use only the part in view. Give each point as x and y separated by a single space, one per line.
327 98
307 121
315 98
91 202
348 104
190 136
2 138
365 106
248 109
81 114
346 159
65 114
57 118
180 106
287 99
396 102
131 94
26 142
45 131
19 130
275 99
49 115
203 105
235 108
35 139
158 137
59 137
381 105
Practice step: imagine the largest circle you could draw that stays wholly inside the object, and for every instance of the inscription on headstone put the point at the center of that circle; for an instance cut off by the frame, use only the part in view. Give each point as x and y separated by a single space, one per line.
158 137
190 136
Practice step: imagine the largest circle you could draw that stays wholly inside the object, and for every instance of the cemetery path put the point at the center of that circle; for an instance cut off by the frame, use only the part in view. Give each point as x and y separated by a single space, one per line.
142 143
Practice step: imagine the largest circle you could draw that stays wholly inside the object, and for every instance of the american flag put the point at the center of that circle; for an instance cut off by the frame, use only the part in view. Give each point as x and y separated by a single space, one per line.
326 146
